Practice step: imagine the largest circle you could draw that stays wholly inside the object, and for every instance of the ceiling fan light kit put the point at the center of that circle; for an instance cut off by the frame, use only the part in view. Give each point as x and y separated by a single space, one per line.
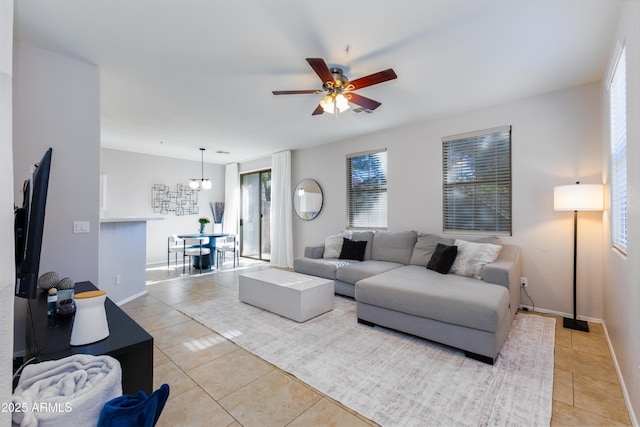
333 102
338 90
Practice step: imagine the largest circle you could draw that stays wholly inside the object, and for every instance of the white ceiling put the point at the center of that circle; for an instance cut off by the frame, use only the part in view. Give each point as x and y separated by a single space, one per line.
199 73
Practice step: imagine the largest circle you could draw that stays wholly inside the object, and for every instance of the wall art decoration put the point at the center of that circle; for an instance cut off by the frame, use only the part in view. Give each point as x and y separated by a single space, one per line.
183 201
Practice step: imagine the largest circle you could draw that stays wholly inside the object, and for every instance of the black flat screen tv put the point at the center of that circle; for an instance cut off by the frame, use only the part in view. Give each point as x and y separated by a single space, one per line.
29 228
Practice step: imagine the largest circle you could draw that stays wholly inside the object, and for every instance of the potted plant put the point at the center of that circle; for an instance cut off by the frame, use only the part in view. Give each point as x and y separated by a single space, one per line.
203 221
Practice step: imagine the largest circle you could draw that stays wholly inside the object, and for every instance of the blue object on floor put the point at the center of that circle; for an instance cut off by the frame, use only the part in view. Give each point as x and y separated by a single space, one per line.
139 410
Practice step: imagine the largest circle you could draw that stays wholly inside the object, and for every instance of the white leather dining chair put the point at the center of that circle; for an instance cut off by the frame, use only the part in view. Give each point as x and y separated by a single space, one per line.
195 247
229 244
175 246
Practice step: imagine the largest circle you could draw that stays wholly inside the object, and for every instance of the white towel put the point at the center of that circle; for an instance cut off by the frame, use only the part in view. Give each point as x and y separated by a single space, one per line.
66 392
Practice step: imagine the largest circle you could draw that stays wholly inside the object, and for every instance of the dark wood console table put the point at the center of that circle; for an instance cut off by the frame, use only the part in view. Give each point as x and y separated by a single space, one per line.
131 345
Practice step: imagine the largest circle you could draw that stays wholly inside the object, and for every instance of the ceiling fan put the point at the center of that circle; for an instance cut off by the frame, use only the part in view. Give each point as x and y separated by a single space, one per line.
338 89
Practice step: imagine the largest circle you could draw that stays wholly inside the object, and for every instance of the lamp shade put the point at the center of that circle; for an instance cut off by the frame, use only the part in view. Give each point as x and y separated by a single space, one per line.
578 197
327 104
334 101
341 102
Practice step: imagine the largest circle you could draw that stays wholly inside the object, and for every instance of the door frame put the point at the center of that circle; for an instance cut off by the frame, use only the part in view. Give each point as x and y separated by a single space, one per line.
260 255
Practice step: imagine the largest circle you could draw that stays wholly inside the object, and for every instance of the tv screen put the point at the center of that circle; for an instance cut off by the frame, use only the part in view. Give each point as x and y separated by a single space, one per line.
29 228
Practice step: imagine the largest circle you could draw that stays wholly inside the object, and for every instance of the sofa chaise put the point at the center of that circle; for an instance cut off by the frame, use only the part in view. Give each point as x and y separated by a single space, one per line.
470 308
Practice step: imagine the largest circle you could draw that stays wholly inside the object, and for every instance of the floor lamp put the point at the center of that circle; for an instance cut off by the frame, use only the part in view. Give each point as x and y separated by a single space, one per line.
577 197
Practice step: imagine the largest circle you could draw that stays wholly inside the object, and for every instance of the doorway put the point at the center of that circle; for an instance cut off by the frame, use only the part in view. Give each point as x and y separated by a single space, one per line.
255 221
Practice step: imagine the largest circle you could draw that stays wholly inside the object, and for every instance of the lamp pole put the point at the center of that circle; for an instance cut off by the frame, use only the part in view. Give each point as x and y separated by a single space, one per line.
574 323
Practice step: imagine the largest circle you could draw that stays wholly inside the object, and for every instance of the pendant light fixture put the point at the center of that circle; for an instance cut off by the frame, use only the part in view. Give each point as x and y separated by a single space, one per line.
194 183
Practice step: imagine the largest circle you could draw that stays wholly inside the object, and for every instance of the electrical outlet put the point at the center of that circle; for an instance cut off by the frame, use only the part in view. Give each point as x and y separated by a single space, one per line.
118 280
523 282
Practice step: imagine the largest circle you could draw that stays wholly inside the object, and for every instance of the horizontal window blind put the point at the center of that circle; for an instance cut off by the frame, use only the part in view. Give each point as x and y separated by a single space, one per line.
477 182
367 190
618 117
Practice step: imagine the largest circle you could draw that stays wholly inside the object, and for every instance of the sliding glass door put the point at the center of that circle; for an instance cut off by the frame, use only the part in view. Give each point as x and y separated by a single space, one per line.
255 221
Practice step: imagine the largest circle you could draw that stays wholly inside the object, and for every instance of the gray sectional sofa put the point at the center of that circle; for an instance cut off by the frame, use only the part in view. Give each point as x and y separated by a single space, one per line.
393 288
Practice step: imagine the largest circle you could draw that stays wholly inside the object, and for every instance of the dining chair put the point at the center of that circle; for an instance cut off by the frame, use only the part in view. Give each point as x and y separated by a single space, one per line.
174 245
229 244
195 247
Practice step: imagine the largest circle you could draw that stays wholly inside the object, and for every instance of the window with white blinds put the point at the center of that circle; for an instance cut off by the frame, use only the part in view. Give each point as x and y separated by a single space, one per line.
618 117
367 190
477 182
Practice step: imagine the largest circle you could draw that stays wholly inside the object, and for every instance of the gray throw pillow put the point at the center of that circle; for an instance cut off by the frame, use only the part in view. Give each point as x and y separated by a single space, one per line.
425 245
393 246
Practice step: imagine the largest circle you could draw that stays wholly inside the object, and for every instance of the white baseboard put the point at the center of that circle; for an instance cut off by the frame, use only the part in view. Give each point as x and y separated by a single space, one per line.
627 399
131 298
155 263
561 314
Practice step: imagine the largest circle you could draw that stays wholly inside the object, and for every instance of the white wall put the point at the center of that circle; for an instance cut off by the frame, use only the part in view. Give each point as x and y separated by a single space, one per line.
123 253
7 266
56 104
130 177
622 273
556 140
254 165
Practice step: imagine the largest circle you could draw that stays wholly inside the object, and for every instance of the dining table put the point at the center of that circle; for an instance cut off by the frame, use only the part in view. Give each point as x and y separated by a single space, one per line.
207 262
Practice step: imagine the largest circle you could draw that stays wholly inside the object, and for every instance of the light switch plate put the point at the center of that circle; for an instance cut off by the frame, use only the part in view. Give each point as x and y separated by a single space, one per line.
80 227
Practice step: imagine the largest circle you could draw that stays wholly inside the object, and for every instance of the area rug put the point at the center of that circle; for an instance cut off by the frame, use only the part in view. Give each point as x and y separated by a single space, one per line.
395 379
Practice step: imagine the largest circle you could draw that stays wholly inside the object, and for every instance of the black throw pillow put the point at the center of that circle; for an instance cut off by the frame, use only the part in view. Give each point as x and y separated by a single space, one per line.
353 249
442 258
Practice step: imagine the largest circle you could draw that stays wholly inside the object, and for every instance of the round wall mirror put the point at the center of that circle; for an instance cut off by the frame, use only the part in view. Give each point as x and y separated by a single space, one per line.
307 199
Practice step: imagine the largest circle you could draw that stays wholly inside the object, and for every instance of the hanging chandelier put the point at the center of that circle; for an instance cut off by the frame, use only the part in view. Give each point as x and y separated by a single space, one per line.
203 182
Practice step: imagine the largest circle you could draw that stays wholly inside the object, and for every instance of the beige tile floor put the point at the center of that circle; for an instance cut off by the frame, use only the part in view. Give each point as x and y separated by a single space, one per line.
586 390
216 383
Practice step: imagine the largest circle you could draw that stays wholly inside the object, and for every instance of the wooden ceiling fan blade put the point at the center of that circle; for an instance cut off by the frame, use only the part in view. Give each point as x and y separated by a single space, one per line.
374 79
363 101
321 69
292 92
318 110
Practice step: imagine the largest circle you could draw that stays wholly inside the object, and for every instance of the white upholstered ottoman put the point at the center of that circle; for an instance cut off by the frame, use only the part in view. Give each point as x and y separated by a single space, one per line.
293 295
